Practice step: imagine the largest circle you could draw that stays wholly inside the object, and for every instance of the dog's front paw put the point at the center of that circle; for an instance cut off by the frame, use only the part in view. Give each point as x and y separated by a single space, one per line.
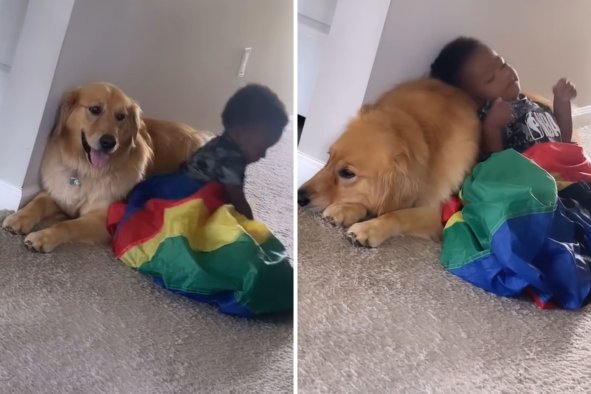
43 241
344 214
369 234
18 223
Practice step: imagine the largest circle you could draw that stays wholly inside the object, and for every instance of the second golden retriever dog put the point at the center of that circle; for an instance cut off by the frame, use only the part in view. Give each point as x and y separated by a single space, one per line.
396 162
100 148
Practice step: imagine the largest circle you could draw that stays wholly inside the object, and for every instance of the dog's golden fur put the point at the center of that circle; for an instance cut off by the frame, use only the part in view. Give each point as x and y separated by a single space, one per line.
397 161
143 146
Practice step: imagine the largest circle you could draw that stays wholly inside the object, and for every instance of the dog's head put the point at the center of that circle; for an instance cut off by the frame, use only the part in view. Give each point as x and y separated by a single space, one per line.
378 162
98 121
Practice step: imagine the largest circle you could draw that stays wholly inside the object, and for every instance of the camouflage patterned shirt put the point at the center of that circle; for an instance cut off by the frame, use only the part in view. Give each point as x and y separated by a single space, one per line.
219 160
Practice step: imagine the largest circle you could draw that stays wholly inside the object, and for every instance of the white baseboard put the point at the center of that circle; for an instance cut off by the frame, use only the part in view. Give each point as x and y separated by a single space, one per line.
582 117
10 196
307 167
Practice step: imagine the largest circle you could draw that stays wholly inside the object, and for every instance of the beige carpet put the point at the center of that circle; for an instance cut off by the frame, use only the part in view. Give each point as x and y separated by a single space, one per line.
391 320
78 321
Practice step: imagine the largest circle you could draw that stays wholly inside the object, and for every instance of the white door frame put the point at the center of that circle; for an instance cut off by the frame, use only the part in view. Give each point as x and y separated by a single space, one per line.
342 79
29 82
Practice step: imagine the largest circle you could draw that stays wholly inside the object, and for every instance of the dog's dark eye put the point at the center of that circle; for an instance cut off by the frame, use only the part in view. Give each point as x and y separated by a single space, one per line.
120 117
346 173
95 110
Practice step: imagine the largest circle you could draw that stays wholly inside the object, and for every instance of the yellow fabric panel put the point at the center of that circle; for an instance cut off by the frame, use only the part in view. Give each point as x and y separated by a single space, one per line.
455 218
204 232
561 183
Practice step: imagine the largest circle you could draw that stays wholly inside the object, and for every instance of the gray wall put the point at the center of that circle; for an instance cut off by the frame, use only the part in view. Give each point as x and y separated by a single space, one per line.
543 39
12 15
178 58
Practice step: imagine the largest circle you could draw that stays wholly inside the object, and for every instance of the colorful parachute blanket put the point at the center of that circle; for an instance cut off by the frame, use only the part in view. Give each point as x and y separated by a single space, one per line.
182 234
522 226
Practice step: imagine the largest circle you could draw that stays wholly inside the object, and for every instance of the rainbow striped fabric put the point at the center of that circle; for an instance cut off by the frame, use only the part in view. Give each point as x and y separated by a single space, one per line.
524 226
181 233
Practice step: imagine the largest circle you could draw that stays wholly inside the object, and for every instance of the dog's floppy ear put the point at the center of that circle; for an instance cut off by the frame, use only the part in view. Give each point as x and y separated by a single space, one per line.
136 122
65 109
397 187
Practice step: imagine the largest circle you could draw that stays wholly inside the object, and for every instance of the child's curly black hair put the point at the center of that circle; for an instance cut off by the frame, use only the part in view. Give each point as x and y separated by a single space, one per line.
255 105
448 64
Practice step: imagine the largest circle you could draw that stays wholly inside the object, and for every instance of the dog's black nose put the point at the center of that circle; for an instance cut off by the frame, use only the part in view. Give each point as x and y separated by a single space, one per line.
107 142
303 198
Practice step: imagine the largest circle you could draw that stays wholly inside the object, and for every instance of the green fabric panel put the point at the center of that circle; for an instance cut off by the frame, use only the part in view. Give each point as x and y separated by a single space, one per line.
260 276
506 186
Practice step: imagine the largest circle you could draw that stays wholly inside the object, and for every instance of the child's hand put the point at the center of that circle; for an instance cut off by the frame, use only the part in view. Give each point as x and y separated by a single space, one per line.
499 115
236 197
564 90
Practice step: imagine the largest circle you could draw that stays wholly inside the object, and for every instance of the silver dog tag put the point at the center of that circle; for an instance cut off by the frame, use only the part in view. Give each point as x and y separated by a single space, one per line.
74 181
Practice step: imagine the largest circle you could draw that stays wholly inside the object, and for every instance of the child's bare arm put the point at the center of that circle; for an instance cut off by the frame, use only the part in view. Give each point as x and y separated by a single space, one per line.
562 111
499 115
564 92
238 199
492 139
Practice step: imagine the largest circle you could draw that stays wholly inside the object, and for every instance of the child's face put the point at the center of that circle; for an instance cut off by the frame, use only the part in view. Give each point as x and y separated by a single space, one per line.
256 142
485 76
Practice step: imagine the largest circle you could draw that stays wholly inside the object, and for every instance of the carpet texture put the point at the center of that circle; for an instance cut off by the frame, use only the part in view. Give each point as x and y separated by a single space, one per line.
391 320
79 321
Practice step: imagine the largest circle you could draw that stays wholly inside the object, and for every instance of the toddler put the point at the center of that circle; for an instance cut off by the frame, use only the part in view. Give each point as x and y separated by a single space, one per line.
509 118
253 120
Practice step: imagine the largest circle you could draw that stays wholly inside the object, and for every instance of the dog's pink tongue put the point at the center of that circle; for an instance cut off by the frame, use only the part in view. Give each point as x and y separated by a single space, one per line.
98 158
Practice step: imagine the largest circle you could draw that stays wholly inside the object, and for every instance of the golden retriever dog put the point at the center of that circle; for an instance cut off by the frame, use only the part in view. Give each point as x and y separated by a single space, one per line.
396 162
100 148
